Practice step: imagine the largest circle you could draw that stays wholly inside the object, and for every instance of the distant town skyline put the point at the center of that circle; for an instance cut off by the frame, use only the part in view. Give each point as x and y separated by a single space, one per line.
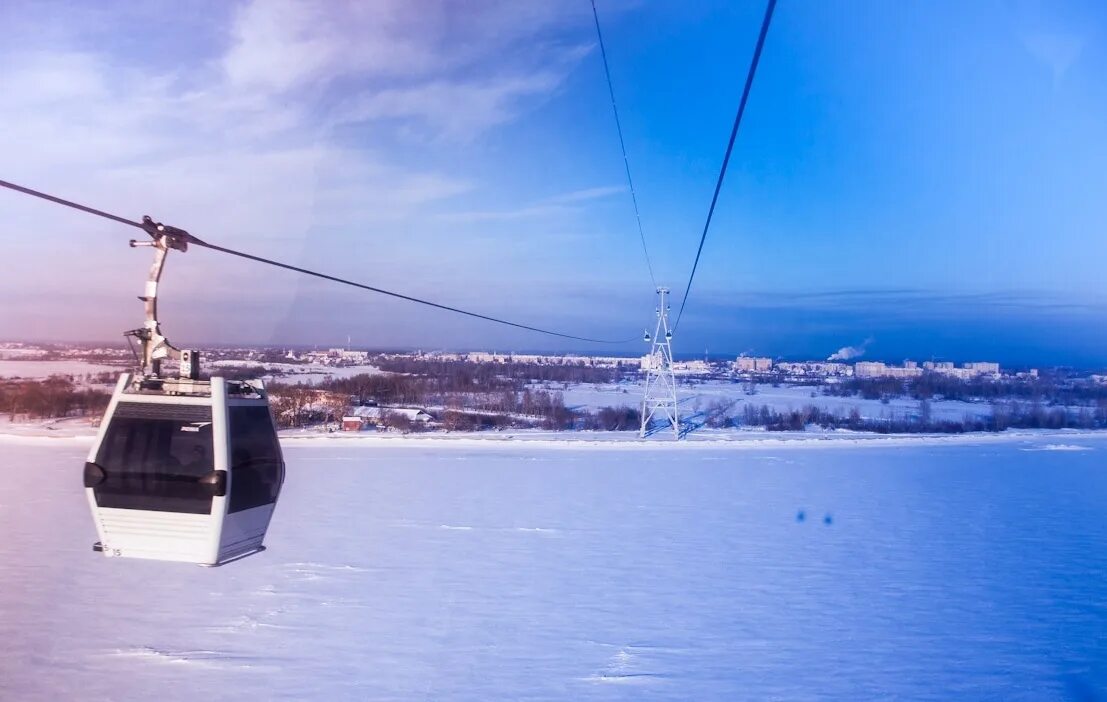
742 361
933 186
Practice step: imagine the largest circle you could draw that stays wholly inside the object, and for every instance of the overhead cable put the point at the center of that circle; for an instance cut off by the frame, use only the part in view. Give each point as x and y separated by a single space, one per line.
189 238
729 147
622 144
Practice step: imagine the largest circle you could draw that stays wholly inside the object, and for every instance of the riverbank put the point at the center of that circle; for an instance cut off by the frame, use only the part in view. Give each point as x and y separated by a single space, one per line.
80 431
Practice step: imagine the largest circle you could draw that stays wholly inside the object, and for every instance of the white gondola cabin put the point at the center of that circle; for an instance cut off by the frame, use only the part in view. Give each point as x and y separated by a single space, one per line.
191 475
183 469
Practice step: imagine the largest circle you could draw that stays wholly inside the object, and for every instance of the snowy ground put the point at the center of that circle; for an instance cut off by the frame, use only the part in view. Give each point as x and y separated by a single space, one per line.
288 372
20 353
82 429
31 370
694 397
306 373
781 399
46 428
464 570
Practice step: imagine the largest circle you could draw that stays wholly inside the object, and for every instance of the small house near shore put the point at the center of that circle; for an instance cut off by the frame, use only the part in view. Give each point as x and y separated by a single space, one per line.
359 418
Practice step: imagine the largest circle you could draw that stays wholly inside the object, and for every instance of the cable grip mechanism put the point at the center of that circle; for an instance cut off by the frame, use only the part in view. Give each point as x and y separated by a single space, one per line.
155 347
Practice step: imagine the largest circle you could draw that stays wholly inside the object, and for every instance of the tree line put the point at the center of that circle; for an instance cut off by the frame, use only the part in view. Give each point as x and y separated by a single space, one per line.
1004 416
467 399
518 373
56 396
1046 389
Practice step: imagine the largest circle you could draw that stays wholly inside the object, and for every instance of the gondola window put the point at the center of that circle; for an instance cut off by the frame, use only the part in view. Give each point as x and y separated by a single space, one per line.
257 470
155 463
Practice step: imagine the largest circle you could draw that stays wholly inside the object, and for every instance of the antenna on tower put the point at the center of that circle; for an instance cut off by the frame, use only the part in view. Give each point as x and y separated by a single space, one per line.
660 396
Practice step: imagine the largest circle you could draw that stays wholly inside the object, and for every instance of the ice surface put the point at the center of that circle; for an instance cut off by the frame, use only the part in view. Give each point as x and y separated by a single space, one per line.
1058 447
461 570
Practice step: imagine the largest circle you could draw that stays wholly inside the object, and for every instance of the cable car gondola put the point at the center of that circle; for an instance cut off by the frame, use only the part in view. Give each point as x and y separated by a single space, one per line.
183 469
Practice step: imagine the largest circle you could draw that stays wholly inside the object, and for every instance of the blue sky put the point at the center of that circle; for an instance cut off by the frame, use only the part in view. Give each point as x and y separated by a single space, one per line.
927 175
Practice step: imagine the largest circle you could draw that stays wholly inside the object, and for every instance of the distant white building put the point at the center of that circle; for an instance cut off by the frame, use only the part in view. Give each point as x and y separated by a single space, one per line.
938 365
965 372
749 364
443 356
600 361
647 362
570 360
541 359
877 369
350 356
868 369
485 357
962 373
691 367
983 367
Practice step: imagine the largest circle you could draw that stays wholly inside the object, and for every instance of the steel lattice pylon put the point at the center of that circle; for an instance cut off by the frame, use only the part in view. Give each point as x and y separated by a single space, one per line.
660 395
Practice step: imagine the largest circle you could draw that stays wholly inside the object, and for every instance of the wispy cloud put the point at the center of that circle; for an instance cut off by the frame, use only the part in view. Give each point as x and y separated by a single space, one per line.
903 303
1057 50
280 45
587 194
449 109
556 205
434 68
240 137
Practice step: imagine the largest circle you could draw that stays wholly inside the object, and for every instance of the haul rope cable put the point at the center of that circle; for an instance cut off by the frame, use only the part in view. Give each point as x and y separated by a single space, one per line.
149 226
622 144
729 148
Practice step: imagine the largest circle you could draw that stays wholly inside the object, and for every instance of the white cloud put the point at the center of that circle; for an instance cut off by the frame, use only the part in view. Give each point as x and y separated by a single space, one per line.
283 44
240 142
435 66
588 194
73 117
451 110
562 204
1058 51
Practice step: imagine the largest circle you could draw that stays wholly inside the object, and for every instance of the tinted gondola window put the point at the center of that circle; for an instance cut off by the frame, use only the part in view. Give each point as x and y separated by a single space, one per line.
153 460
256 466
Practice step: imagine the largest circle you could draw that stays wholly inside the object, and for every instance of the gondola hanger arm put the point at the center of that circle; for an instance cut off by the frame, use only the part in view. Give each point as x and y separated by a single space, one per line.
154 344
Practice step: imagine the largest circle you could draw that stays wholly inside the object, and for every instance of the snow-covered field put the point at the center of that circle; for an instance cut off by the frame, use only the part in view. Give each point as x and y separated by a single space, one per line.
782 399
306 373
29 370
7 353
467 570
694 397
288 372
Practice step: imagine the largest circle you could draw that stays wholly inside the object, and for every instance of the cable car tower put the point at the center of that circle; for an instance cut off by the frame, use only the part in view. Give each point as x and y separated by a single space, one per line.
660 396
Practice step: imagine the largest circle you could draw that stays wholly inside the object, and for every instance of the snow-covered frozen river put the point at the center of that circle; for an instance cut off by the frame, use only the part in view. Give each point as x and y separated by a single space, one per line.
459 572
